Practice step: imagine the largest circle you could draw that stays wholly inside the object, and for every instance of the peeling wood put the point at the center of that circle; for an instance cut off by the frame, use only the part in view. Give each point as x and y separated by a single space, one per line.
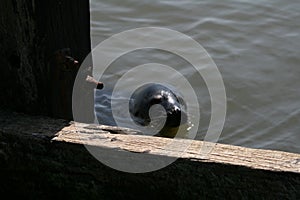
39 154
101 136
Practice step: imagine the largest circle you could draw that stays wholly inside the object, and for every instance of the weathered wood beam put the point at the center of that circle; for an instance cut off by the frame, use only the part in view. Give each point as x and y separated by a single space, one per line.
128 140
44 158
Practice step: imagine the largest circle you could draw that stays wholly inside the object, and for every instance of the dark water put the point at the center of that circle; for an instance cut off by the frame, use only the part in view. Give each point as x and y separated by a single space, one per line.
256 46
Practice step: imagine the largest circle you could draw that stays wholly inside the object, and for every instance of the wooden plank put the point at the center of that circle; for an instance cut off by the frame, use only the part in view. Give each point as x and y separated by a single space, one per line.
128 140
43 158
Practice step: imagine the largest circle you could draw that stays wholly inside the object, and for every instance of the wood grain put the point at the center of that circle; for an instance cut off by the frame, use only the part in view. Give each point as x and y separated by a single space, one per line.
129 140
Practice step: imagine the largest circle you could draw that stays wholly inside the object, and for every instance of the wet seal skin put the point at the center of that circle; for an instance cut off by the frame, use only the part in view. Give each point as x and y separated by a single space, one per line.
150 94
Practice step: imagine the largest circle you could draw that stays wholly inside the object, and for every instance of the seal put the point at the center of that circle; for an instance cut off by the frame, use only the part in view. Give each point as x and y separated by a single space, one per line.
152 93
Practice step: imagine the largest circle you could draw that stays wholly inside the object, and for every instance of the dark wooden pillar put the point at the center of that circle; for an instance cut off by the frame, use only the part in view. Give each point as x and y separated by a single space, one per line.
32 33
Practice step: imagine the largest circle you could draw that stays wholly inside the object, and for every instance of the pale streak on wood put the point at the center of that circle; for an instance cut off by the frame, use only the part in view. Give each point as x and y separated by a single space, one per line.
128 140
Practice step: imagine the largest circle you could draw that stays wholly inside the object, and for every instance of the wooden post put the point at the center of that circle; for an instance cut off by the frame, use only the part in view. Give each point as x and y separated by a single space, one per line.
32 33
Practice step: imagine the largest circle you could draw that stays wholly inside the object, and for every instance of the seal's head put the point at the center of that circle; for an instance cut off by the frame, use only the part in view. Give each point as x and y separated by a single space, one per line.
151 94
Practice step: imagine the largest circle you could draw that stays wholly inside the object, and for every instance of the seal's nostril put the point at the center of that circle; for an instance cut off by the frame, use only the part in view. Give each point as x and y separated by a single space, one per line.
176 109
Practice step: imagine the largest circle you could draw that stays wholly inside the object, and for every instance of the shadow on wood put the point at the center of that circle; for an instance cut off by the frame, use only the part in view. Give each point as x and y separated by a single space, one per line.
43 158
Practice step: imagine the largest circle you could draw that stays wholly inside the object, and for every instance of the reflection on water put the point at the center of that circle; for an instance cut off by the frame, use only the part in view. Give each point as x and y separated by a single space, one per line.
256 46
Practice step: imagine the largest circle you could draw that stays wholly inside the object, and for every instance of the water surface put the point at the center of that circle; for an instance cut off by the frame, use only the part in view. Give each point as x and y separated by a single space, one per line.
255 44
